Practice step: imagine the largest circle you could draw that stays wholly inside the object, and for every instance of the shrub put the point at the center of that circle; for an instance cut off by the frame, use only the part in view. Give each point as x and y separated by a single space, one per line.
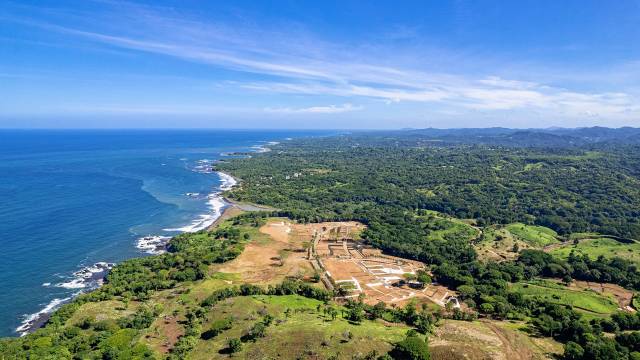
235 345
411 348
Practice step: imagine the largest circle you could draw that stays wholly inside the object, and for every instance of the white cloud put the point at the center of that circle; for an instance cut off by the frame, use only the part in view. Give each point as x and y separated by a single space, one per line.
295 62
499 82
151 109
330 109
477 96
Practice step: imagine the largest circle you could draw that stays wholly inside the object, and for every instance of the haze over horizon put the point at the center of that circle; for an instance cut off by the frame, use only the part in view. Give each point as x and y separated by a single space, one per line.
331 65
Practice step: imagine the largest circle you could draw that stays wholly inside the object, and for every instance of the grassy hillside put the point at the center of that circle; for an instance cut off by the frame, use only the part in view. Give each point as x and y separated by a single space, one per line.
586 301
223 315
536 236
601 246
489 339
439 227
500 243
299 330
214 315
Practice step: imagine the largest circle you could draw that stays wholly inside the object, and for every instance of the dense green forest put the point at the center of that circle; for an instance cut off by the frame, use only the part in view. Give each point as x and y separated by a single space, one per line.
568 190
388 181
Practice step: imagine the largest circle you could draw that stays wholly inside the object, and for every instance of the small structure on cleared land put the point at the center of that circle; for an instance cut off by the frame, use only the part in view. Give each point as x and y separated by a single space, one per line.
351 265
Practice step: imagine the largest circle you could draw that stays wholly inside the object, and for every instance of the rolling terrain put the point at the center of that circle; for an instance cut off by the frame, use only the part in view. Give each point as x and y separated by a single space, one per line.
383 248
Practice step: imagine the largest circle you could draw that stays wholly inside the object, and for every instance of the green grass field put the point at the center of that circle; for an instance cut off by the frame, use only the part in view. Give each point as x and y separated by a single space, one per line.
103 310
536 236
497 243
589 302
440 226
299 330
583 235
602 246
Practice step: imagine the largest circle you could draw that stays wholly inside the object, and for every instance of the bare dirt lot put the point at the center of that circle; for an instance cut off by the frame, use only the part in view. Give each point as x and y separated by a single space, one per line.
488 340
362 270
169 332
272 258
287 249
379 279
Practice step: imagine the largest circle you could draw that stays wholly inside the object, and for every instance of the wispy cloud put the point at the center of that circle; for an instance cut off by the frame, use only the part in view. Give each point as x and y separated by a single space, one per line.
119 109
303 64
330 109
486 95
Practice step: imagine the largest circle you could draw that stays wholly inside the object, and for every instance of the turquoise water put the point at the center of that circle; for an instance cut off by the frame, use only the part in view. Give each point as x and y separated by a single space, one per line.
73 201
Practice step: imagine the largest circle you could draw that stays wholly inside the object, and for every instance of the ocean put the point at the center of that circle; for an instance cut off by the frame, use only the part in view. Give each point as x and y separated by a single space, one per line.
75 202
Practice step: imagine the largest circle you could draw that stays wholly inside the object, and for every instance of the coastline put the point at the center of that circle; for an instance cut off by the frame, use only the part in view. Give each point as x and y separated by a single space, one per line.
228 212
87 280
152 245
234 208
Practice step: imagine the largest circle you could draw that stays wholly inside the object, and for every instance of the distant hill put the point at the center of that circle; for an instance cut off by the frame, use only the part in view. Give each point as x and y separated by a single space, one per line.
549 137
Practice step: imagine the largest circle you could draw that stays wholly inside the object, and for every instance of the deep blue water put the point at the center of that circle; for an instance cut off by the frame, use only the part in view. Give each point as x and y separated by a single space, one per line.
73 198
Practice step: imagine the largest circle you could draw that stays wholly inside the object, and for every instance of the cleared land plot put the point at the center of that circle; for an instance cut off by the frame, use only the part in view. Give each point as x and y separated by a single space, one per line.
601 246
363 271
274 253
589 302
374 283
488 340
332 234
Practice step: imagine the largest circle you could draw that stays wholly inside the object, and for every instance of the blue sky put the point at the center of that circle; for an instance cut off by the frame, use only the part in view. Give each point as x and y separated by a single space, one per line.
320 64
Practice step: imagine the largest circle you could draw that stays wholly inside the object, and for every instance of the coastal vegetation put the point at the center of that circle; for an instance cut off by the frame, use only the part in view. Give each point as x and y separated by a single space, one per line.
519 234
72 331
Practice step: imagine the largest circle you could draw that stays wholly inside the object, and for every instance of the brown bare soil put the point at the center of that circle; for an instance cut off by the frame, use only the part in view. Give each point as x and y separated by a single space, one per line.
278 230
509 339
285 252
363 270
166 332
268 261
486 340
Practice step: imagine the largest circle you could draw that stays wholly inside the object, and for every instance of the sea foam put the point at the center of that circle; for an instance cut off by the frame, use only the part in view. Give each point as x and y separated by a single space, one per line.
86 279
203 166
215 203
153 244
32 321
